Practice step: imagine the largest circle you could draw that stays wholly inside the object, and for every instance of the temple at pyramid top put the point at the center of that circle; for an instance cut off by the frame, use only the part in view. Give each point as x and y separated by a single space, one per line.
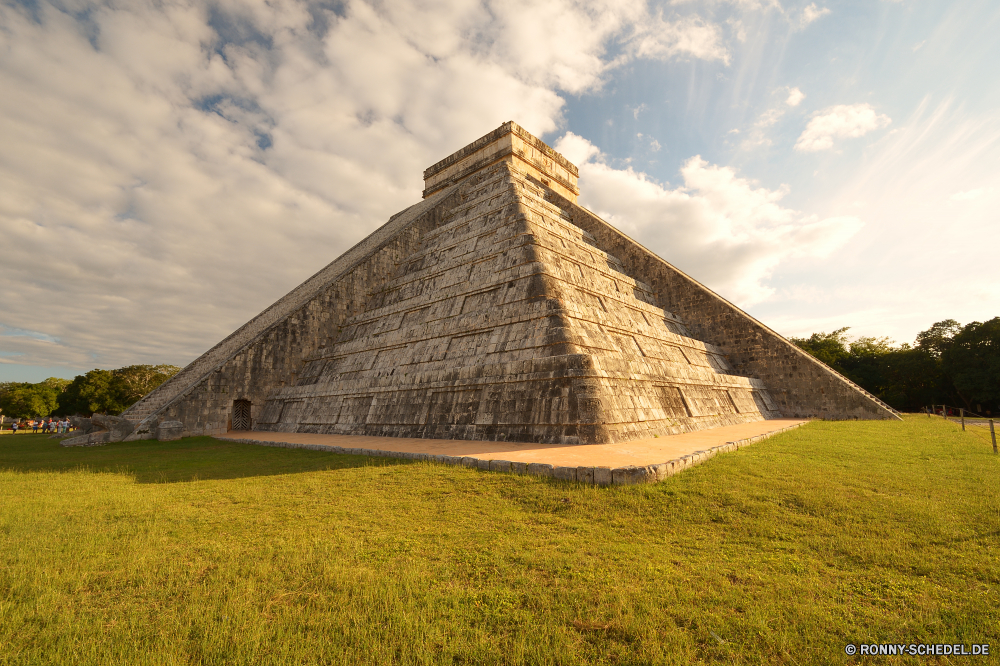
498 308
510 142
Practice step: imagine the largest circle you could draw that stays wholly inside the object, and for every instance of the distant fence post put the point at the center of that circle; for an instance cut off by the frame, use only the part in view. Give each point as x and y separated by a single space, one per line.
993 436
961 413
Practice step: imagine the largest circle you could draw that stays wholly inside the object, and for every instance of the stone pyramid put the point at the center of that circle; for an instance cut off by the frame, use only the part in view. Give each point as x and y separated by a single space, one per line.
499 309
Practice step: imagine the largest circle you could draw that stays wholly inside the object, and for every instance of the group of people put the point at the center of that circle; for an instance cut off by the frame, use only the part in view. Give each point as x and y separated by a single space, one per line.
60 426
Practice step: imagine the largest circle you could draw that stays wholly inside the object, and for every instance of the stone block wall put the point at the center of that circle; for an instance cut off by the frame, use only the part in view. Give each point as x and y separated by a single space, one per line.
269 351
511 323
802 386
509 142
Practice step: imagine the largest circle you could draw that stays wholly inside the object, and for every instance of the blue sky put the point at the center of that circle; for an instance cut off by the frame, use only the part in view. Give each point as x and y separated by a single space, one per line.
172 168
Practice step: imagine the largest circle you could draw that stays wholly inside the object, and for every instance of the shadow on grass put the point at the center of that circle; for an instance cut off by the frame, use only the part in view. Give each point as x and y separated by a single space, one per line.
188 459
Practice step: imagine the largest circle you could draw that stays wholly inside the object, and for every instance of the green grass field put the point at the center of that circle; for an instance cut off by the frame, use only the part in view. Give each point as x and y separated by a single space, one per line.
204 552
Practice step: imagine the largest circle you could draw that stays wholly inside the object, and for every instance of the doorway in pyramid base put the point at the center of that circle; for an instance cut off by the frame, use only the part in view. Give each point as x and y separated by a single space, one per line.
241 415
499 309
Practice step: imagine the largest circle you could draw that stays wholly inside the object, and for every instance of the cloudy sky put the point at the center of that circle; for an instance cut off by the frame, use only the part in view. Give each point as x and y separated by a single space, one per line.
169 169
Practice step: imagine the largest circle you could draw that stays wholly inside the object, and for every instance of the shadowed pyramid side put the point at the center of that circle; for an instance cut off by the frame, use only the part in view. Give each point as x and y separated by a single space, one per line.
509 324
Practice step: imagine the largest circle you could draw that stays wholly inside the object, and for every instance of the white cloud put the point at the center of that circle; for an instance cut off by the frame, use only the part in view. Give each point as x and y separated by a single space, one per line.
842 121
685 38
797 17
576 149
769 117
967 196
903 187
722 229
561 46
810 14
758 134
738 29
170 169
653 144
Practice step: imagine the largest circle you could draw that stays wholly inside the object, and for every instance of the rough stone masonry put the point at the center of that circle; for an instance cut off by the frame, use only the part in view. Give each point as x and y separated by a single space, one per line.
498 308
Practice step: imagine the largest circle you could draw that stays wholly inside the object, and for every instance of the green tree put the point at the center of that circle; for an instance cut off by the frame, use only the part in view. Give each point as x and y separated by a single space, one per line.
938 337
907 378
135 381
972 361
19 400
22 400
112 391
831 348
913 379
867 365
89 393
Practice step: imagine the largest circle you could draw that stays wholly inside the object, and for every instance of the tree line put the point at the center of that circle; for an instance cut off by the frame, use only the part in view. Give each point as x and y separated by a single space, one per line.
103 391
947 364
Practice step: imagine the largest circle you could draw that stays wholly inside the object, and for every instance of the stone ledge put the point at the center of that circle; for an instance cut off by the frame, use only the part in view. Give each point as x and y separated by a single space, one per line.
99 438
601 476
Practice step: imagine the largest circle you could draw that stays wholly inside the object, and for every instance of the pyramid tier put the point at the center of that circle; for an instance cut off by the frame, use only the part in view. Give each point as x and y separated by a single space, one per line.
509 323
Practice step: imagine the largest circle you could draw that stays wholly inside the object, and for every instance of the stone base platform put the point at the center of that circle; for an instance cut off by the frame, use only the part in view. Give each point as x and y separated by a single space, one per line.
638 461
